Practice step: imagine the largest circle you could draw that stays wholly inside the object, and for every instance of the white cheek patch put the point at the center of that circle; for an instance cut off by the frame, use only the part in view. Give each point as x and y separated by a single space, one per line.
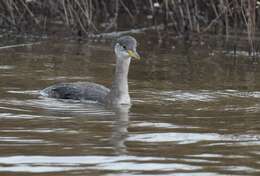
121 52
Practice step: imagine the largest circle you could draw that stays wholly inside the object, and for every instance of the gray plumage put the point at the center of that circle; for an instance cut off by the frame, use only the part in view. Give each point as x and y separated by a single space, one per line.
77 91
125 49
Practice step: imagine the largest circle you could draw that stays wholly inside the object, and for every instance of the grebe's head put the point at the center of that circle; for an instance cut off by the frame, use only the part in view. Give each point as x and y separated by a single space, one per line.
125 48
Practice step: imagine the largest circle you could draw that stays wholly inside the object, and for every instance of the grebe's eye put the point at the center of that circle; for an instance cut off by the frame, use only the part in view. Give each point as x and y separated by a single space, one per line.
124 47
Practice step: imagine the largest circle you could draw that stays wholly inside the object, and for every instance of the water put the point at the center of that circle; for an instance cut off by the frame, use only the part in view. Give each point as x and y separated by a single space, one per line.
195 112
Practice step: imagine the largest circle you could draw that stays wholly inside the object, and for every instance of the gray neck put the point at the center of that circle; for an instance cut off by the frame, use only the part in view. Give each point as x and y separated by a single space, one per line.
119 90
120 83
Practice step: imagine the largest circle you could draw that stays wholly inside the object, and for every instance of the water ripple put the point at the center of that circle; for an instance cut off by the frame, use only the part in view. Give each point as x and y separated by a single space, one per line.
206 95
49 104
20 140
160 125
189 138
193 95
43 164
6 67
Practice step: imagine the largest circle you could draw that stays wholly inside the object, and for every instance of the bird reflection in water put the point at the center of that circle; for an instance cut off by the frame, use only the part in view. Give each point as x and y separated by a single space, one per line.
120 129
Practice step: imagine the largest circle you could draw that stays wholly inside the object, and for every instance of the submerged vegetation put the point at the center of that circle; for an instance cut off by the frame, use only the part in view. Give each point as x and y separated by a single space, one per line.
85 17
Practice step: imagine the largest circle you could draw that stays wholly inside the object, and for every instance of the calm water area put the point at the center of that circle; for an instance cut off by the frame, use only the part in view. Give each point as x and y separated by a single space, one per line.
196 111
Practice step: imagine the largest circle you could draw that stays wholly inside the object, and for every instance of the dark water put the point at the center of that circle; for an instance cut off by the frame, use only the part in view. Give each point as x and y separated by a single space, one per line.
195 112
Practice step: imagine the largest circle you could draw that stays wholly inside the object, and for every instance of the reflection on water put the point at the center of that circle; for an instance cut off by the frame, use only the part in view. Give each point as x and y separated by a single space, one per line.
112 163
193 113
198 95
120 129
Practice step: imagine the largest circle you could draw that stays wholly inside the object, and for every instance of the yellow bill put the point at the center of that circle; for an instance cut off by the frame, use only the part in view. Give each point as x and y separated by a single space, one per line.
133 54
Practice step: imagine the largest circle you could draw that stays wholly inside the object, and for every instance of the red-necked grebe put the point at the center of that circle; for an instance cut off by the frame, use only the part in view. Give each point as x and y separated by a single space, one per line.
125 49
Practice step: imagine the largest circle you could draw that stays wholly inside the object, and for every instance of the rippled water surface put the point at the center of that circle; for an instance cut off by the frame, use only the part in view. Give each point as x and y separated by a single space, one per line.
195 112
